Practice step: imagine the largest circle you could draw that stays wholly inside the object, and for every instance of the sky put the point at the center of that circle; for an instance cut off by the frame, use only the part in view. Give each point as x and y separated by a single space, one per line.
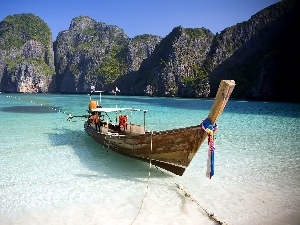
137 17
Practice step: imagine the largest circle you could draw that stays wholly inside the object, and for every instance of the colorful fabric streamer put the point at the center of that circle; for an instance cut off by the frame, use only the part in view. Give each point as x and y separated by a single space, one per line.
210 130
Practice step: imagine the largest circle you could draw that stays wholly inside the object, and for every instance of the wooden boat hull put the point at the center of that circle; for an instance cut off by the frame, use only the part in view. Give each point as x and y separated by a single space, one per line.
172 150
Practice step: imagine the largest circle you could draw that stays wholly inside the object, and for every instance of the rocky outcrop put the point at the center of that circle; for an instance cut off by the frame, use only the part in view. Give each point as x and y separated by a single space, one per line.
140 48
27 78
262 54
92 53
174 68
26 55
89 53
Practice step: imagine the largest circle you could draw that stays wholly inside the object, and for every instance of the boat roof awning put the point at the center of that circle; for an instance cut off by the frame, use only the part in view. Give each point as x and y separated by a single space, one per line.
116 109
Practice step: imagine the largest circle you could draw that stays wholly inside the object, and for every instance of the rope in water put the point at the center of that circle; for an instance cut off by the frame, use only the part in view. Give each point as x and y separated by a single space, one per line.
210 215
147 188
52 108
58 110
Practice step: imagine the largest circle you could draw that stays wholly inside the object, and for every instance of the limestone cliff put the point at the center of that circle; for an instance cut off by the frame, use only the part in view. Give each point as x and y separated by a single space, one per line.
259 54
92 53
175 68
140 48
26 54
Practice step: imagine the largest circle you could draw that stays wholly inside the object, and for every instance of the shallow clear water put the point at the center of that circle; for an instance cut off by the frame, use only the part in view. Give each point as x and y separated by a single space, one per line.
52 172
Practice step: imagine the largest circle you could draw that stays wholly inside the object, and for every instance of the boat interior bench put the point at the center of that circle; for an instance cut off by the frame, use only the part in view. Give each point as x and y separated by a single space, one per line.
135 129
131 129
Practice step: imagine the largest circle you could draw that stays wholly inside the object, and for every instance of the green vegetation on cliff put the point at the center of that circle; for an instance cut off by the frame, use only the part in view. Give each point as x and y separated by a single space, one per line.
15 30
38 64
113 64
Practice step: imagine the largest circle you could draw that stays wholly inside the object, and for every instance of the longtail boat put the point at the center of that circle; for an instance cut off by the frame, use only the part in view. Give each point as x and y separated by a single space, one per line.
172 150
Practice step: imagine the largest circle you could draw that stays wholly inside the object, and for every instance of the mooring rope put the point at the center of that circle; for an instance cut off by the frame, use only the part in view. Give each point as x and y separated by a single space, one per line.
210 215
52 108
148 183
58 110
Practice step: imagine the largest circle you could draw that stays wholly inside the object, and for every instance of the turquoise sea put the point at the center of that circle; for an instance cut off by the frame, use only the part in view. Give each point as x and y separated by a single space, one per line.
52 172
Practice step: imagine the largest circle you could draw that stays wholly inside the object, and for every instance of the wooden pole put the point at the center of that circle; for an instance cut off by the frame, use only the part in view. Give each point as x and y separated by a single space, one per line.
225 89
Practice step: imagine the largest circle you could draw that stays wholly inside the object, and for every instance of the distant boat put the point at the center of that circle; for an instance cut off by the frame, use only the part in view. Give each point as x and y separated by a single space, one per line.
172 150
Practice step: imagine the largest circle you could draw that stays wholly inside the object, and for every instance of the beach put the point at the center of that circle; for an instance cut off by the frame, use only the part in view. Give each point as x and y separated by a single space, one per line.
52 172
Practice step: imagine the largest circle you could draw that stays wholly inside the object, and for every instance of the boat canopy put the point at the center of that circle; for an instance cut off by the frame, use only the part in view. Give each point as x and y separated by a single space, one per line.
116 109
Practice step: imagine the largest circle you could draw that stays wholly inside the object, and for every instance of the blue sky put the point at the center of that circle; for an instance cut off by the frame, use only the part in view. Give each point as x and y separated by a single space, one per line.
136 17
